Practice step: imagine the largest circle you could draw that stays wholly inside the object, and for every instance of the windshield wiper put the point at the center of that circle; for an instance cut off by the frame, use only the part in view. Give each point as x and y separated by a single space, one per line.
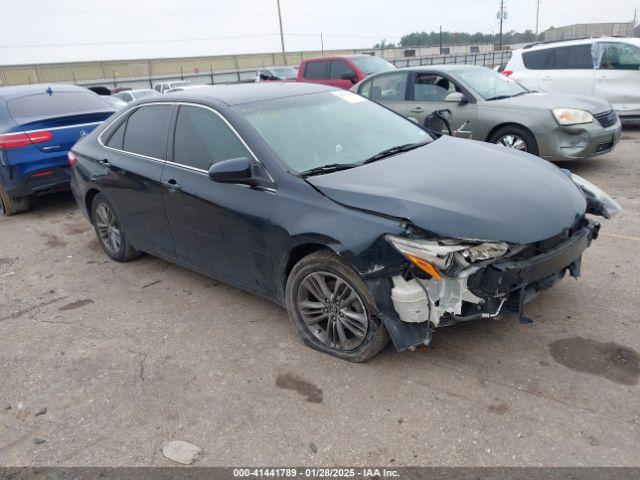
332 167
499 97
394 151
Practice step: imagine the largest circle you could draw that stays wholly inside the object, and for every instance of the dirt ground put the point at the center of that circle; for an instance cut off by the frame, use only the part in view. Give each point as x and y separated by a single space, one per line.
125 357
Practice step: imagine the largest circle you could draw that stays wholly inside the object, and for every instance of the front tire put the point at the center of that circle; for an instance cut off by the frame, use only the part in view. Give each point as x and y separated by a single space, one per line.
111 237
333 309
515 137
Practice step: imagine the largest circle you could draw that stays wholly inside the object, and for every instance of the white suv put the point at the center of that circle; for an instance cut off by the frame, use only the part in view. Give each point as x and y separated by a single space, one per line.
601 67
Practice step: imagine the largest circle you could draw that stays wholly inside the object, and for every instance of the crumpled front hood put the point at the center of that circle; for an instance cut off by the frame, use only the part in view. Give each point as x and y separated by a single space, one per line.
463 189
555 100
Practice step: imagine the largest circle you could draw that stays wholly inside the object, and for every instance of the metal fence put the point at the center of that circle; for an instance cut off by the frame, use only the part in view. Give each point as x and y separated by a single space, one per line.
489 59
214 77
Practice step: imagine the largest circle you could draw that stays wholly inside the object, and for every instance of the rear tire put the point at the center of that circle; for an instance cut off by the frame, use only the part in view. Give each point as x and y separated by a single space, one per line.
349 327
111 237
515 137
10 205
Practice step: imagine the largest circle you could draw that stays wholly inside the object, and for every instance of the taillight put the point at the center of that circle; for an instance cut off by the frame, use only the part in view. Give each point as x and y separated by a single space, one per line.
507 73
42 173
20 139
72 158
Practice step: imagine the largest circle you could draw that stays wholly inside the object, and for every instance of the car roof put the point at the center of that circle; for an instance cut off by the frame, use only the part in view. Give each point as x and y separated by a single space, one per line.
8 93
444 68
237 94
580 41
338 57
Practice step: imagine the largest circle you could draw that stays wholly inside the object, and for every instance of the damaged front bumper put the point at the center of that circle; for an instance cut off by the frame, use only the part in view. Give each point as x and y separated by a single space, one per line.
412 305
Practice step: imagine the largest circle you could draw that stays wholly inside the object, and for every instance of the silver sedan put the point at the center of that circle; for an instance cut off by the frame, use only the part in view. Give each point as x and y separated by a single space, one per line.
490 107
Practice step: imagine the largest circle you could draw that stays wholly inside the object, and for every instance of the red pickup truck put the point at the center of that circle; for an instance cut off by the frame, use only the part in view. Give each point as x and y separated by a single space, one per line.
342 71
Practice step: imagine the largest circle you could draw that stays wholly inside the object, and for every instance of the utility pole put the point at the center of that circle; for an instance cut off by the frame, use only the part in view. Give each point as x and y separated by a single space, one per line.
440 39
635 17
281 33
537 19
501 15
322 44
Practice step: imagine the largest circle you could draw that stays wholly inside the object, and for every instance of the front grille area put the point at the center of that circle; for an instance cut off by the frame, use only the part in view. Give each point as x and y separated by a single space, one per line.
604 146
544 246
606 119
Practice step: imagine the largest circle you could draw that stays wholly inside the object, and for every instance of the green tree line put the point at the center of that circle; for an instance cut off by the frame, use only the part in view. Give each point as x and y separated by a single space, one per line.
432 39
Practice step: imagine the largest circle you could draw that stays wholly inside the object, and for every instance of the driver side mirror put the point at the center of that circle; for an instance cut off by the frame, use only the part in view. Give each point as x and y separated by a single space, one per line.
457 97
349 76
235 170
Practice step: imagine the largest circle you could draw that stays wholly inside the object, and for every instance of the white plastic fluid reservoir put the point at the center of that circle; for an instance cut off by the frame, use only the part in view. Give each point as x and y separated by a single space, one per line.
409 300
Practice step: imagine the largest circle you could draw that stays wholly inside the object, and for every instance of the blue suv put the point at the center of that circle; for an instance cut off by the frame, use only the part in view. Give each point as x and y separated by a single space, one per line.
38 126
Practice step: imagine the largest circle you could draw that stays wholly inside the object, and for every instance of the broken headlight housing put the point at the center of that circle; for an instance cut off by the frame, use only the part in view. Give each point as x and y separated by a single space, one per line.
446 257
598 201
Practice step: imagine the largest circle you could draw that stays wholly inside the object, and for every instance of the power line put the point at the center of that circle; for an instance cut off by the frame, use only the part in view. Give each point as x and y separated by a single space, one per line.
201 39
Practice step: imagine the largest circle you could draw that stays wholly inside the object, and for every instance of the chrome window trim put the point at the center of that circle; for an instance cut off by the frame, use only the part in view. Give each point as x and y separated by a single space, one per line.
180 165
130 112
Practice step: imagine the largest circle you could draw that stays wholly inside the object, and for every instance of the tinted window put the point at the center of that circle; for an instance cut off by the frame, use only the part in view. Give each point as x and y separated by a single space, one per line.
538 60
56 104
117 139
619 56
316 70
338 67
577 57
147 130
202 138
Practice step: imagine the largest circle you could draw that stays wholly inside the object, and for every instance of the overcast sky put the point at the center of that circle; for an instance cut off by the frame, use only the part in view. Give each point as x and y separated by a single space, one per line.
43 31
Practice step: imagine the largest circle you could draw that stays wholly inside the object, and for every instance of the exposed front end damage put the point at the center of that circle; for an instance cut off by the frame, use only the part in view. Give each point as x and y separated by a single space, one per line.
455 286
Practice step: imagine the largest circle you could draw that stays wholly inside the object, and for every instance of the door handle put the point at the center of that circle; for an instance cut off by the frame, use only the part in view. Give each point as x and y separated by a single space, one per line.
417 110
171 185
104 162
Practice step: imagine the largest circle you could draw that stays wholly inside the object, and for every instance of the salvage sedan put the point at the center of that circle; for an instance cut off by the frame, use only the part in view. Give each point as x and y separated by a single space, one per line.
344 212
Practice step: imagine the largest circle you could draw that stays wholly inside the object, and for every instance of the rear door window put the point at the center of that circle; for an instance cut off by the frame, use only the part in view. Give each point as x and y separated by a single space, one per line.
57 104
390 87
202 138
147 129
316 70
573 58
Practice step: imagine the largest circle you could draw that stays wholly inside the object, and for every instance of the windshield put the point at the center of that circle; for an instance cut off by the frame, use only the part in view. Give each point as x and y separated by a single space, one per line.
337 127
285 73
370 64
182 83
490 85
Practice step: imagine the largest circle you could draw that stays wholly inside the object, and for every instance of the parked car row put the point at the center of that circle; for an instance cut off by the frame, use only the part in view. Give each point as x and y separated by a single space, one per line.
344 207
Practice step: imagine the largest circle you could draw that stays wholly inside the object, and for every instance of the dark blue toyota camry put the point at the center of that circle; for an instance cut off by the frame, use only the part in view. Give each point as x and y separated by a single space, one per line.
38 126
349 215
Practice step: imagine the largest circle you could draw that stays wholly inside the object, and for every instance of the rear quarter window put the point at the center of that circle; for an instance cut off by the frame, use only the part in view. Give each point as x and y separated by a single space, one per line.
538 59
57 104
